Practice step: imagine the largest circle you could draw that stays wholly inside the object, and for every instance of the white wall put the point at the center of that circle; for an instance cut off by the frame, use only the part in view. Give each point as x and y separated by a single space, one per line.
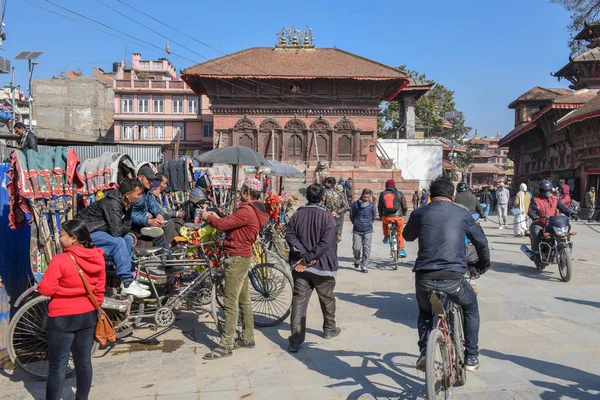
417 158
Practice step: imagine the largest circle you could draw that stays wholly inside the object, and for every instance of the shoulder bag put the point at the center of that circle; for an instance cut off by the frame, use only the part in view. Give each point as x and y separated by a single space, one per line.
104 330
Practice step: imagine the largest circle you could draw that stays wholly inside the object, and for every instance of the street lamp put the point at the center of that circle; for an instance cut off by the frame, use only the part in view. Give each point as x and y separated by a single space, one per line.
30 56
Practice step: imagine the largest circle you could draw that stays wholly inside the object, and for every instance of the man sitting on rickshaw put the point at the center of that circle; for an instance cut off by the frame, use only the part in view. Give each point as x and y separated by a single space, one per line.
109 221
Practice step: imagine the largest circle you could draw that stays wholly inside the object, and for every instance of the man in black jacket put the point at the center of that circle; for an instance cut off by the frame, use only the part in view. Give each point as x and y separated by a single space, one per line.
392 207
28 138
441 263
109 221
468 199
313 257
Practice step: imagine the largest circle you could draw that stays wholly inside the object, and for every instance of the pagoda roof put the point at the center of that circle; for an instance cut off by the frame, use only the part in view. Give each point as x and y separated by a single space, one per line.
267 62
538 93
584 33
588 110
487 168
416 88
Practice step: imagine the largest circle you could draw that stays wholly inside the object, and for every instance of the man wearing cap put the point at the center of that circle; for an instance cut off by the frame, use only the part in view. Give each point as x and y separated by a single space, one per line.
392 207
147 217
242 228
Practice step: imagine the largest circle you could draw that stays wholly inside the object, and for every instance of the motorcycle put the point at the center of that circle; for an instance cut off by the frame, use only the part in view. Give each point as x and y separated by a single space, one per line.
555 247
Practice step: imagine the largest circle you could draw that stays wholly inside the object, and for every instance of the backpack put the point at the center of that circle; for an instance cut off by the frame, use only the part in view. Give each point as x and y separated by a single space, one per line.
391 202
575 206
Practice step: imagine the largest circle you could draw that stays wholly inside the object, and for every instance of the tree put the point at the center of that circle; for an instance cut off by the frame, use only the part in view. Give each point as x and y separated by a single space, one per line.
582 11
430 109
457 137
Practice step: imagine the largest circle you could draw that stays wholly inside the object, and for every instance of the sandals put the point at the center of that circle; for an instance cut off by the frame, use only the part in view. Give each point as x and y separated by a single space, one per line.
217 353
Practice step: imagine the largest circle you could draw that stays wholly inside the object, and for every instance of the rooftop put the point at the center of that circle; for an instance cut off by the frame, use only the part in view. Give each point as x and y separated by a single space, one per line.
266 62
538 94
588 110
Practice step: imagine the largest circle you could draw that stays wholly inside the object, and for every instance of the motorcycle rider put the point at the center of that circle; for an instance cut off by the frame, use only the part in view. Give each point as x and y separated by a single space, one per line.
544 205
468 199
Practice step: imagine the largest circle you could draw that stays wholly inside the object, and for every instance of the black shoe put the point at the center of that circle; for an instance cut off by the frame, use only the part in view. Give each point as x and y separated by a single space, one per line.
364 270
294 348
471 363
335 333
356 265
240 343
420 365
589 220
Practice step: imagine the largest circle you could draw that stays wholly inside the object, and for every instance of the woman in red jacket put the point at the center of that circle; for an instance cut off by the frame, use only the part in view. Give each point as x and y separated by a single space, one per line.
71 315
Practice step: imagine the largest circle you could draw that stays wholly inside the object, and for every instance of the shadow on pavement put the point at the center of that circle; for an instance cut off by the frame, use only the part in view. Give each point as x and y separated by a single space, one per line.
584 302
585 386
396 307
528 271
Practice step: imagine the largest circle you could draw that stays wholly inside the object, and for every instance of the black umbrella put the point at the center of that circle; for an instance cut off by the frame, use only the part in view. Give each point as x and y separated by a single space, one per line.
281 169
233 155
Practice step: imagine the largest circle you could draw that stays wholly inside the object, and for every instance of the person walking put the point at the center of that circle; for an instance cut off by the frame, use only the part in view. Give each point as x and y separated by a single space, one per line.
72 316
502 198
590 203
424 198
522 202
392 207
242 228
415 200
349 189
485 197
336 205
362 216
313 258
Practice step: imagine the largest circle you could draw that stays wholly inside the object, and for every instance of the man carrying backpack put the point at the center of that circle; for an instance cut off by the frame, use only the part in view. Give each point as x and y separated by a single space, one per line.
392 207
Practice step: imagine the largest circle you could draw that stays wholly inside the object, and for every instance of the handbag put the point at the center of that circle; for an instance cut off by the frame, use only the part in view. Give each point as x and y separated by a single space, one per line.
515 211
104 330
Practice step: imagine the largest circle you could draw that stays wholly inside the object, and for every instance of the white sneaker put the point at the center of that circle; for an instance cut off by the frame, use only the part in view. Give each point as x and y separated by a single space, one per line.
152 231
135 290
145 287
500 227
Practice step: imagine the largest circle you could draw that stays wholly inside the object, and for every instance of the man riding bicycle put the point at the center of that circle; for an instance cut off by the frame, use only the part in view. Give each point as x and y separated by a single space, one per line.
544 206
441 263
392 207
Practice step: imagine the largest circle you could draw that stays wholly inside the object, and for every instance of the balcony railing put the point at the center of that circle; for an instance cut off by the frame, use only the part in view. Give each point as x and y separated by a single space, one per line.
139 84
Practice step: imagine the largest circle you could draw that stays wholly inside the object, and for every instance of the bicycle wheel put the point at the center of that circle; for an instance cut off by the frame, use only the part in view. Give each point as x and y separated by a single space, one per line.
436 366
271 290
394 248
125 323
458 338
217 308
565 267
27 341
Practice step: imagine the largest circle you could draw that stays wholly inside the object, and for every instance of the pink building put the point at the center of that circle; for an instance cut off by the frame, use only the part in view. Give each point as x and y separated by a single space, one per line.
153 105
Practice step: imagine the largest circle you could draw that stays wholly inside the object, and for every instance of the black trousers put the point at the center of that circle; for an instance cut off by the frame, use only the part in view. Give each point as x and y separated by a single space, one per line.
304 284
70 334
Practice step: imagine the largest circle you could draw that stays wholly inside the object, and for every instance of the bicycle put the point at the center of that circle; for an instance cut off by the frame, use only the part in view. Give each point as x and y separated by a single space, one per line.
445 354
394 251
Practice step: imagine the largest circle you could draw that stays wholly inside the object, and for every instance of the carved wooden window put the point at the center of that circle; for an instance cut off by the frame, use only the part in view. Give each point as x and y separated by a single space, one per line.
322 147
246 140
270 144
295 149
345 147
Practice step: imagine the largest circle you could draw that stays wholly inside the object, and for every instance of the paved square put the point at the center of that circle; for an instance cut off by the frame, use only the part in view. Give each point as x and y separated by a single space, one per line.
539 339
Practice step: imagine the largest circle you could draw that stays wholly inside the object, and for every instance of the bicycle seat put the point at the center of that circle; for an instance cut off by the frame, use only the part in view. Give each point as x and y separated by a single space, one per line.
437 300
146 251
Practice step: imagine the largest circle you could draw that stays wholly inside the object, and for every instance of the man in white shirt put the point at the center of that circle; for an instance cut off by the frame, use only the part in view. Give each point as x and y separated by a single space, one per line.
502 198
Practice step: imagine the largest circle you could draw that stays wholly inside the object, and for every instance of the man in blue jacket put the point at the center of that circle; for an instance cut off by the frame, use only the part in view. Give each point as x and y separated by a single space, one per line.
147 219
441 263
362 215
313 257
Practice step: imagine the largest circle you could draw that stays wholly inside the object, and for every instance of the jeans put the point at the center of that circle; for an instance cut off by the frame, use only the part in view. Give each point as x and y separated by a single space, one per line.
399 226
339 224
486 210
361 245
502 214
460 292
70 334
237 297
304 284
536 232
119 249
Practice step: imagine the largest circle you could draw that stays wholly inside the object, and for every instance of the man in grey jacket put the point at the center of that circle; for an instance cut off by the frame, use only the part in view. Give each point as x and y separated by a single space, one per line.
313 258
502 198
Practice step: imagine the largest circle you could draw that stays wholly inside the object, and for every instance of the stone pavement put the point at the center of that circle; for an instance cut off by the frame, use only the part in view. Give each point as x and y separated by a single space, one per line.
539 340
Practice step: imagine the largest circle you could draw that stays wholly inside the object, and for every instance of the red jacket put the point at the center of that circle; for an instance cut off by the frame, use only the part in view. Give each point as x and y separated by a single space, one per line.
242 229
565 198
62 283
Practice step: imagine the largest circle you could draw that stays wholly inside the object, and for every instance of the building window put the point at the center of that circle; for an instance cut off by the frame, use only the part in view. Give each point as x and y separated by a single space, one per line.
178 105
295 146
345 147
159 105
192 105
127 131
144 64
159 130
127 104
179 127
144 129
143 102
246 140
208 129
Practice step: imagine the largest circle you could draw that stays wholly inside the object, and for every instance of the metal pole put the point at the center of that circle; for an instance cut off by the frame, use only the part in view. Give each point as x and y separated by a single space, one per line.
30 97
272 145
316 145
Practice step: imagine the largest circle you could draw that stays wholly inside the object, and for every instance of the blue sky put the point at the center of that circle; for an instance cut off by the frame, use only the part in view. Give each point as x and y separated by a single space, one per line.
488 52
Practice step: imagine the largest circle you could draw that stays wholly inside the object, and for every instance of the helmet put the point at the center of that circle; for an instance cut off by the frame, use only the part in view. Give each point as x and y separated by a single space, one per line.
462 187
545 188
